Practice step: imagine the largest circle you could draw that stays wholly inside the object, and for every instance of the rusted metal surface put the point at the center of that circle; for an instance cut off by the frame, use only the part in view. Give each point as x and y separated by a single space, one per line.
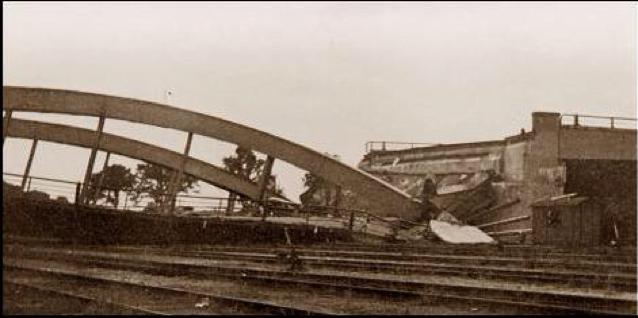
383 198
134 149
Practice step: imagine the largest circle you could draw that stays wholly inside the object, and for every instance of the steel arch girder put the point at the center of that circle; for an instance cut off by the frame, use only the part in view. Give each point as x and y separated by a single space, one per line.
20 128
383 199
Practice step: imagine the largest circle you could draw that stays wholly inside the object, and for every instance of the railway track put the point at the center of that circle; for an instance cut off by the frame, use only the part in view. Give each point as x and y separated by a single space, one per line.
601 278
604 266
148 298
508 252
525 253
618 276
62 297
527 300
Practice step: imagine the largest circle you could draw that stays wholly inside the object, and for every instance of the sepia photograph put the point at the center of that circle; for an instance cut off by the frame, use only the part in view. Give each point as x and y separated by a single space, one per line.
319 158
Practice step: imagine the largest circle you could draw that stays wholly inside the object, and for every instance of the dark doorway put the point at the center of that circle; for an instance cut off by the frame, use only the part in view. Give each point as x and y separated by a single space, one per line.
612 185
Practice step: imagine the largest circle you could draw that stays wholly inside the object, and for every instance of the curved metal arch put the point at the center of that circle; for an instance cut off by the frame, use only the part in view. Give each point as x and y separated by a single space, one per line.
82 137
382 198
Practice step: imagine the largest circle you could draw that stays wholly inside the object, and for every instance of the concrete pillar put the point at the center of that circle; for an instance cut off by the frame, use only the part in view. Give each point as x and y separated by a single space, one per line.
29 162
101 180
89 167
542 163
173 187
5 125
544 153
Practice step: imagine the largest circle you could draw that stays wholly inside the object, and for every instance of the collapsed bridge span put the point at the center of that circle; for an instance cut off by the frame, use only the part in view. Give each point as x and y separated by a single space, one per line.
381 198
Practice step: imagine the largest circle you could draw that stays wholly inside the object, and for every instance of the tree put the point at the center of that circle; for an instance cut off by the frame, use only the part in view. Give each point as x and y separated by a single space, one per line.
274 188
247 166
9 190
36 195
153 182
244 164
111 180
320 191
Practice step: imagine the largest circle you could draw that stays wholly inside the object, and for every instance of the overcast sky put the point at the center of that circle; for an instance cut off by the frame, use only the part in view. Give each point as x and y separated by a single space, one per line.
330 76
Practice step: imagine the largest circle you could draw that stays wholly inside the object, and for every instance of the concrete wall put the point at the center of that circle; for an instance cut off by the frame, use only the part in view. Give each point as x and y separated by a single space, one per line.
597 143
514 161
544 164
543 170
543 173
442 166
442 159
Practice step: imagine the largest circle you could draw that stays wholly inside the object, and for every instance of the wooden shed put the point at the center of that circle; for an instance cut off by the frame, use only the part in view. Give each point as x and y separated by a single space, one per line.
572 222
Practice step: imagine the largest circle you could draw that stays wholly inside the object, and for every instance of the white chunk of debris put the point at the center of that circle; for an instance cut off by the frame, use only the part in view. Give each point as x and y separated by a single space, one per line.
203 304
456 233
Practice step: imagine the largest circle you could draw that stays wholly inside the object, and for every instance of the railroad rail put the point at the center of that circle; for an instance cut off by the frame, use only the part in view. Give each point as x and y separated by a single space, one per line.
551 257
525 253
508 261
545 301
619 276
623 281
395 258
85 299
171 299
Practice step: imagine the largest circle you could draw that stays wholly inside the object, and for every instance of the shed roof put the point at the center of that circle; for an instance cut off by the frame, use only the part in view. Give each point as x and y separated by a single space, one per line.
560 202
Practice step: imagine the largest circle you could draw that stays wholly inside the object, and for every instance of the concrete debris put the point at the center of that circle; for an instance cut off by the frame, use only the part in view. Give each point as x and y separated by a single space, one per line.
564 196
455 233
203 304
415 233
445 216
446 228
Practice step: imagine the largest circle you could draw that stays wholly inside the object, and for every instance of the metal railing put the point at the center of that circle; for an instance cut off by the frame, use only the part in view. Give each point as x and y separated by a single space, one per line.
394 145
58 187
613 122
67 191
